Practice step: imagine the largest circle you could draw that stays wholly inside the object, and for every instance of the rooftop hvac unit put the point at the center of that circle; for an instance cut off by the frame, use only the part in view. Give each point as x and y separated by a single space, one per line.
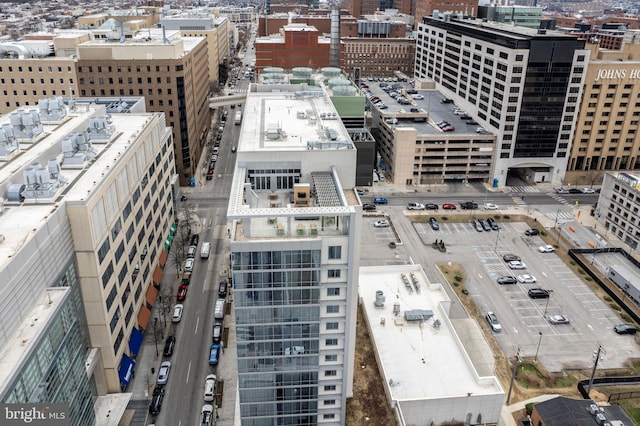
379 303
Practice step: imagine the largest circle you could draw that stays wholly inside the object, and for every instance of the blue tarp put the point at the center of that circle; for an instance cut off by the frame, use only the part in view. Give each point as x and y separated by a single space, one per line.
135 341
126 370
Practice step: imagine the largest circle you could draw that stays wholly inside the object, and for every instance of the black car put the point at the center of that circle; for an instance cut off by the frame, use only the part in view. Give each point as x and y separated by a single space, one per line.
446 101
538 293
434 224
575 191
369 207
194 240
493 224
511 258
625 329
507 280
222 289
468 205
169 345
156 401
532 232
431 206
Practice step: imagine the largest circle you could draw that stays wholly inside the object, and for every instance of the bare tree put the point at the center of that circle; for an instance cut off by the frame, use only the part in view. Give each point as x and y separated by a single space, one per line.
177 252
593 176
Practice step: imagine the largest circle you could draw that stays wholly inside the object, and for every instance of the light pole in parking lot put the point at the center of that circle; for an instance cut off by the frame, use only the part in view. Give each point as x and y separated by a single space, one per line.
495 249
535 358
596 356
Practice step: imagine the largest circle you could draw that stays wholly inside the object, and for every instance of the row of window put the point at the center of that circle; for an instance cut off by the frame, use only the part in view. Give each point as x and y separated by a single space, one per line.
39 69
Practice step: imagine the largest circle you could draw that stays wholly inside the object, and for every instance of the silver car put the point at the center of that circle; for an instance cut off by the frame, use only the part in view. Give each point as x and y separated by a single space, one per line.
163 374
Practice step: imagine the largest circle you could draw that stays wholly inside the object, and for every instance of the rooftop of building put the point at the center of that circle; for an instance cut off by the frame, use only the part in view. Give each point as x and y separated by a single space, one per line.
294 128
422 352
81 167
24 341
497 28
156 37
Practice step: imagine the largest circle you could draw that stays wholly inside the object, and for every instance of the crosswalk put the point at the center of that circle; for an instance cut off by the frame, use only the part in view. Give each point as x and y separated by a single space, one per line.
524 189
561 215
559 198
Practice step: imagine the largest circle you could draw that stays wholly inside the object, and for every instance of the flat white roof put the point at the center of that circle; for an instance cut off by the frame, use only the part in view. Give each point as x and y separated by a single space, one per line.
419 360
18 347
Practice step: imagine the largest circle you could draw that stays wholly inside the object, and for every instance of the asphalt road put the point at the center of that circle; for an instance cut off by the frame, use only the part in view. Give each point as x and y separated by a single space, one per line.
190 361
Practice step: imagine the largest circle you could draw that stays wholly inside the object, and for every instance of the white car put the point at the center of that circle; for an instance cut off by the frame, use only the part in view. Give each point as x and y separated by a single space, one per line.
546 249
417 97
382 223
163 373
206 416
415 206
490 206
210 388
588 191
177 312
516 264
527 279
559 319
493 321
188 265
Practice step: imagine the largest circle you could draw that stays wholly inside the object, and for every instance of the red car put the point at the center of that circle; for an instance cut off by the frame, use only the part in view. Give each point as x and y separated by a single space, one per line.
448 206
182 293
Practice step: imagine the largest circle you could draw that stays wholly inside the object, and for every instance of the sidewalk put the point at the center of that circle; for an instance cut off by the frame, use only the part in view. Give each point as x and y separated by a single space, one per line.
506 417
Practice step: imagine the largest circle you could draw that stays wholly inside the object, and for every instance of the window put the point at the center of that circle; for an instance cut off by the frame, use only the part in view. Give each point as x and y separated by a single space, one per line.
333 273
330 373
329 416
333 291
330 387
107 275
104 249
332 326
331 358
331 342
333 309
335 252
329 402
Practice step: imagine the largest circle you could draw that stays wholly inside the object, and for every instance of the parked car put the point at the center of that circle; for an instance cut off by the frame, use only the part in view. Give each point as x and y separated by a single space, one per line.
588 191
182 292
468 205
206 416
532 232
431 206
369 207
492 319
559 319
213 354
449 206
516 264
507 279
434 224
446 101
210 388
546 249
415 206
156 400
574 191
382 223
625 329
485 225
188 265
191 252
490 206
493 224
527 279
562 191
169 346
216 332
163 373
477 225
380 200
222 289
510 257
195 238
538 293
177 312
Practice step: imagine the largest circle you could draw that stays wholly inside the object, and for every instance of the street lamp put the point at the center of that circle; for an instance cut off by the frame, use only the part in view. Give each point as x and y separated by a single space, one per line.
535 358
559 232
495 249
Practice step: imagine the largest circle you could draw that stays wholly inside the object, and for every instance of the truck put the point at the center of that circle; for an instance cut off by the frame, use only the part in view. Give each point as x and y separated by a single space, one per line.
218 311
238 117
205 249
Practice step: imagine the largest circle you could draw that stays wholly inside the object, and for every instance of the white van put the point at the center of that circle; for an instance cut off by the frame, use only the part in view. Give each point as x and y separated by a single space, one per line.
205 249
218 312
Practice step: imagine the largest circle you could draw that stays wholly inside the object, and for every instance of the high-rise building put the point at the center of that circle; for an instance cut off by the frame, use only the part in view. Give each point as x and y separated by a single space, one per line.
170 71
606 137
294 257
427 8
86 201
523 85
200 23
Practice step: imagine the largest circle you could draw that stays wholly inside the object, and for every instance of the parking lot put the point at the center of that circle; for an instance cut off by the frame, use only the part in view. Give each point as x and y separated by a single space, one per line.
524 320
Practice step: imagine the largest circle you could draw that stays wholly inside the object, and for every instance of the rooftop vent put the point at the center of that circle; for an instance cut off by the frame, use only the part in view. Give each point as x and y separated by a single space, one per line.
26 124
41 182
76 148
52 109
8 141
379 303
100 128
